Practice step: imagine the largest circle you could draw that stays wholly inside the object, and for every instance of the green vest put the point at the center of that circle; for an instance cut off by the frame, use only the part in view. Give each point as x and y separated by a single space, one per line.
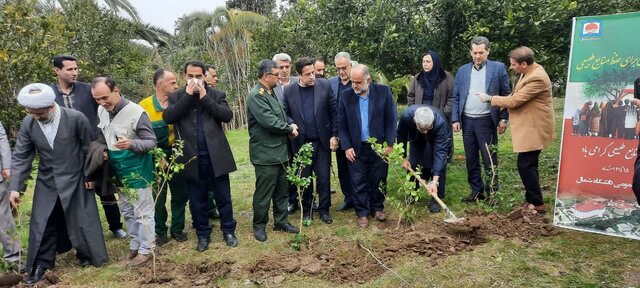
132 169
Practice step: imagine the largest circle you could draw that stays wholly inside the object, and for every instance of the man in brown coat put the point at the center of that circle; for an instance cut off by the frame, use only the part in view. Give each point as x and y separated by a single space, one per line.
532 120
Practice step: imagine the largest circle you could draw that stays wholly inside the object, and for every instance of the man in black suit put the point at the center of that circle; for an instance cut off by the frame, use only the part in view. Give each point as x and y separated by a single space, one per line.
76 95
197 113
366 110
311 105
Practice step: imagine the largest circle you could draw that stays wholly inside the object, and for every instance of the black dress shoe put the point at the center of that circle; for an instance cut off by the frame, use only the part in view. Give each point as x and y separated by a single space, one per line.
326 218
344 206
260 234
473 197
161 239
203 244
286 228
433 206
292 208
35 276
180 237
230 239
84 262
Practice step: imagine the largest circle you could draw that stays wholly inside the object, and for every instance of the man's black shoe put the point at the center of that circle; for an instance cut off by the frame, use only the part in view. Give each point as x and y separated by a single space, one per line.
35 276
180 237
326 218
260 234
84 262
344 206
203 244
473 197
286 228
161 239
433 206
230 239
292 208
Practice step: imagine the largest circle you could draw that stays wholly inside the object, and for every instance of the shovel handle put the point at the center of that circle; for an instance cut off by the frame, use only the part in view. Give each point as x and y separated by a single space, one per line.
424 184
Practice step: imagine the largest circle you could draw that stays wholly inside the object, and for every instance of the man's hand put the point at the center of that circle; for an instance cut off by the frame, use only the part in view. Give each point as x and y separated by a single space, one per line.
294 132
406 164
484 98
432 189
123 144
502 127
202 90
191 85
351 154
333 143
14 198
388 150
105 155
6 173
90 185
455 126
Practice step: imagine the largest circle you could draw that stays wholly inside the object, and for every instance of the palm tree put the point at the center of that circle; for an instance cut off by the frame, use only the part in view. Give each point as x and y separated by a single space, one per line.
225 36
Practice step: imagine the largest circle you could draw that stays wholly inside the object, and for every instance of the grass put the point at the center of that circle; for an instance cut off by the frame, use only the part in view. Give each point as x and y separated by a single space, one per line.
571 259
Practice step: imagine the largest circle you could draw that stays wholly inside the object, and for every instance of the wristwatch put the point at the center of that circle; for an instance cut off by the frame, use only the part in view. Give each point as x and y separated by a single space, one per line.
505 121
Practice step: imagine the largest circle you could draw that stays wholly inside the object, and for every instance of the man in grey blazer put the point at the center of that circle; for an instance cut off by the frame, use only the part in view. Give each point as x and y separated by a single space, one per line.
283 61
8 233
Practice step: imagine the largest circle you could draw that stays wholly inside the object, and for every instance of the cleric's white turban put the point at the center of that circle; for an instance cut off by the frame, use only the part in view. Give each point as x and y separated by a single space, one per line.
36 96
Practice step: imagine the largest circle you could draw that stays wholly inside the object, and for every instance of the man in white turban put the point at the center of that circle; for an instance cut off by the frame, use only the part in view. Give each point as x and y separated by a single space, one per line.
64 213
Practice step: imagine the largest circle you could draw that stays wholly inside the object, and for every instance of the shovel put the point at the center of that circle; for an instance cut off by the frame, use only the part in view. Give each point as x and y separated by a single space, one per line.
450 218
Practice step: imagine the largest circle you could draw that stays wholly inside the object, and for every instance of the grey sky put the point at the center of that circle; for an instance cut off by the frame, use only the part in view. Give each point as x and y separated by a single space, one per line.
164 13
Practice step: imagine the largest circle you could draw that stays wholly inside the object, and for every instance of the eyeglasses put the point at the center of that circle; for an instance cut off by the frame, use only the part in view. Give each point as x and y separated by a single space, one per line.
272 74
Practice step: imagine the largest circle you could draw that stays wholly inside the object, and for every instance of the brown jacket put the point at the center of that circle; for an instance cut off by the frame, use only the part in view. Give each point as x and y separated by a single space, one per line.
530 110
442 97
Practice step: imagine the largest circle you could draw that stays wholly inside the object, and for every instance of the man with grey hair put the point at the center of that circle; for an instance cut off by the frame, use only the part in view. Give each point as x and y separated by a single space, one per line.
268 152
339 84
366 110
429 133
283 61
480 123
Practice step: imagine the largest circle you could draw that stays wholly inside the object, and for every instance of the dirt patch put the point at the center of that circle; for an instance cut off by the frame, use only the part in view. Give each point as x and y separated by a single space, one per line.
349 262
185 275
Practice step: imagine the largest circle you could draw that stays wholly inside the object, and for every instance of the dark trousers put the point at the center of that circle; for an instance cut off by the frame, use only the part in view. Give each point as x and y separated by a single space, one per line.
198 199
477 133
271 185
528 169
111 211
368 172
635 185
344 176
55 238
179 196
321 161
423 156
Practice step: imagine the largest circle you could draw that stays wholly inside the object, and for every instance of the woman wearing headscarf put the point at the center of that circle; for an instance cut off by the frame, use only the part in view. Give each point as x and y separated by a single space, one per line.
432 86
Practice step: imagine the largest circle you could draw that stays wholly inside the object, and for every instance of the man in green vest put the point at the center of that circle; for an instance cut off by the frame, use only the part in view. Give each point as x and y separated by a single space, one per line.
165 83
127 132
268 132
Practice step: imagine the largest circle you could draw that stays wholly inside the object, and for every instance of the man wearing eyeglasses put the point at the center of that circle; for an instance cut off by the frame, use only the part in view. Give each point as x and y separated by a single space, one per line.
312 106
429 133
283 61
268 152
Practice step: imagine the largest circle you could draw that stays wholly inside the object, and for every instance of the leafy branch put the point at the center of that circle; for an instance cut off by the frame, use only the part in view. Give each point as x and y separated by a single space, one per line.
301 160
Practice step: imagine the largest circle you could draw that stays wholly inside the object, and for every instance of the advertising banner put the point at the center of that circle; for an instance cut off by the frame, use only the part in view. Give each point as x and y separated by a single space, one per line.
600 128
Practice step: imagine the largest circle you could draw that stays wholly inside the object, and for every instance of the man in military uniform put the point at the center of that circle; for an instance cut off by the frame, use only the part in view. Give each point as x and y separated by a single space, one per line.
268 132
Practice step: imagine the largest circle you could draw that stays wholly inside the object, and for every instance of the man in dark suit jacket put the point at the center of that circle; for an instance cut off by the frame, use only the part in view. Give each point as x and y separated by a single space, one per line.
480 123
428 130
311 105
339 84
77 95
366 110
197 113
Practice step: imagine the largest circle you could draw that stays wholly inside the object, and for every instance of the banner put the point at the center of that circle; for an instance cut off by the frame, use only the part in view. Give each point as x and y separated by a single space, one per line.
600 128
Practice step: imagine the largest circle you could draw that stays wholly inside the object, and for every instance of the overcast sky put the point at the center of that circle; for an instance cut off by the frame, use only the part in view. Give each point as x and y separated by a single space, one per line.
164 13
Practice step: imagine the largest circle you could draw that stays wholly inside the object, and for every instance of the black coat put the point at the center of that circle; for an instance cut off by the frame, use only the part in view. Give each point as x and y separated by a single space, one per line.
325 112
182 113
83 102
382 117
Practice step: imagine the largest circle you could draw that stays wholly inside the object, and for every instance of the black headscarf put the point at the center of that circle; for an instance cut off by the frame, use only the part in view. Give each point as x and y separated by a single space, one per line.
431 79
